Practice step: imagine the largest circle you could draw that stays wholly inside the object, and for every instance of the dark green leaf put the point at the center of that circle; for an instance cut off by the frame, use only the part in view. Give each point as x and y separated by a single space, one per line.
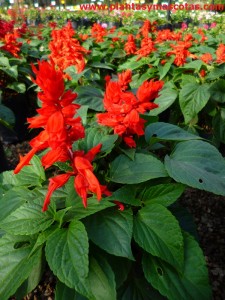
167 132
192 283
67 256
102 280
27 219
197 164
4 62
15 263
17 86
111 230
193 97
63 292
167 97
90 96
7 114
142 168
217 91
219 125
164 194
158 232
118 53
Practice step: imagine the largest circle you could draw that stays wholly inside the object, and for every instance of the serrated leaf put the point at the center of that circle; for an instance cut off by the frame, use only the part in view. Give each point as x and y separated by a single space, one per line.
126 194
11 200
167 132
14 263
167 97
216 72
193 97
90 96
102 280
111 230
192 283
144 167
32 175
158 232
164 194
98 135
163 70
197 164
67 256
27 219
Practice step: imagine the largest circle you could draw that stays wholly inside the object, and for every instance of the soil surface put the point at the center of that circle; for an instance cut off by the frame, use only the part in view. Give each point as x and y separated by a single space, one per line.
208 211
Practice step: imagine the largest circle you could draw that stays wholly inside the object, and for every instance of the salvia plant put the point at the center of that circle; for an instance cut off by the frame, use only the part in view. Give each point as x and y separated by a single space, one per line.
95 198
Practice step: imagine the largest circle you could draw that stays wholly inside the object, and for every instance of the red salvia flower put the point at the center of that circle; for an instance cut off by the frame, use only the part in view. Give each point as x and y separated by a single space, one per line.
123 108
130 47
60 131
180 50
206 58
147 47
220 54
11 45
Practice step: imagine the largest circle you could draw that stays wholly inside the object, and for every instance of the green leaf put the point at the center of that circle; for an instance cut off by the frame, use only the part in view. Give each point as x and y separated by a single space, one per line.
11 200
102 66
216 72
111 230
90 96
7 114
167 132
102 280
193 97
98 135
192 283
12 71
196 65
32 281
141 169
15 265
219 125
133 63
32 175
72 72
197 164
4 62
158 232
7 179
27 219
167 97
217 91
164 194
126 194
17 86
64 292
118 53
163 70
67 256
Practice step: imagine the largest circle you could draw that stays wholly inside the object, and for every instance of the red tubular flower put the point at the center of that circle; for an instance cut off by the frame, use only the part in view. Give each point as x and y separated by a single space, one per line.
181 52
147 47
11 45
124 79
123 108
207 58
130 47
54 184
220 54
60 131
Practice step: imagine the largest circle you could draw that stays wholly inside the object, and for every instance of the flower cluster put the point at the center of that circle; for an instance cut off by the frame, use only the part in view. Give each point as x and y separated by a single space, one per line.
11 45
60 130
123 108
65 50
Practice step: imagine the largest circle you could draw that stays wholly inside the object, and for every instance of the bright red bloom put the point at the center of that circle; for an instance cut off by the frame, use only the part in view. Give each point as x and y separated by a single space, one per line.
65 50
11 44
98 32
207 58
220 54
130 47
181 52
147 47
60 131
124 79
124 108
6 27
